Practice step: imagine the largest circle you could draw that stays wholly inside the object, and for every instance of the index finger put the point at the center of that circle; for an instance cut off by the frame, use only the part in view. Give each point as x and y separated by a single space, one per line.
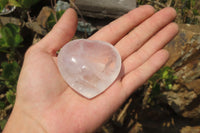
117 29
61 33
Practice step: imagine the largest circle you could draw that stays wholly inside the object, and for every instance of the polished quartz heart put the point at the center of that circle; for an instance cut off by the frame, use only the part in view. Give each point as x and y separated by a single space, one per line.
89 67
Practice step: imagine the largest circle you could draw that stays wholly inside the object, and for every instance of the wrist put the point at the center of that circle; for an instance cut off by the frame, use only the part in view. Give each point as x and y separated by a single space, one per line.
20 121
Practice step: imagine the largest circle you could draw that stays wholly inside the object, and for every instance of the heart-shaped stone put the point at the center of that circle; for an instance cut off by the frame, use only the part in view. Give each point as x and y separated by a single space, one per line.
88 66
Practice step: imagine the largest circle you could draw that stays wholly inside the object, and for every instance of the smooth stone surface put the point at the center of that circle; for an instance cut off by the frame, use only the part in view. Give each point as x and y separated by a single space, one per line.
88 66
105 8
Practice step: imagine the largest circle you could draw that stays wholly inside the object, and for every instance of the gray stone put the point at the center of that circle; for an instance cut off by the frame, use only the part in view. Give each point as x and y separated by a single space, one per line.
105 8
62 5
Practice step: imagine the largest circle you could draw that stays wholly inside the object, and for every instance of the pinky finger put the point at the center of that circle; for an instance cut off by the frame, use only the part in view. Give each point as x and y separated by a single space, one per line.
137 77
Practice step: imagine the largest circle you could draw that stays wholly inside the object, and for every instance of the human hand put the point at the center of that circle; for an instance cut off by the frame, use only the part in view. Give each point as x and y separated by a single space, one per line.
45 103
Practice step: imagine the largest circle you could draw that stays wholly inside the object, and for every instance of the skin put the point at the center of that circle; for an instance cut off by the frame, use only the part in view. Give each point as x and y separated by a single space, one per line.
45 103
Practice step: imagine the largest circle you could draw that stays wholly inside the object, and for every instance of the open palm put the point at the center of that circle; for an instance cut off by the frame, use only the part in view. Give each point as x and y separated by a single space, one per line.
45 98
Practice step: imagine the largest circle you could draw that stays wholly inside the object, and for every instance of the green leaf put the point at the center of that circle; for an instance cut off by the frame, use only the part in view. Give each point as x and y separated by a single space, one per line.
51 21
3 3
164 78
195 12
169 86
11 37
2 42
10 73
193 3
18 39
165 74
7 36
14 28
10 95
10 83
15 3
2 105
59 14
3 123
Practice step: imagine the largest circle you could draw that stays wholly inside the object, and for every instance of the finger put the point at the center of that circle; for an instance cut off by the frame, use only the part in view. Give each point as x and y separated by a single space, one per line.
136 78
135 39
114 31
61 33
152 46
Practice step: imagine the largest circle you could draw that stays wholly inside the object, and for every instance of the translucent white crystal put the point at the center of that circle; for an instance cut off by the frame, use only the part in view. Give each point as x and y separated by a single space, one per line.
88 66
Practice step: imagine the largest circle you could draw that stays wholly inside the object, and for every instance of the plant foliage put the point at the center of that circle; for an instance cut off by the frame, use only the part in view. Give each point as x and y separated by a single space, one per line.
18 3
3 3
188 11
52 19
11 37
162 80
10 73
9 42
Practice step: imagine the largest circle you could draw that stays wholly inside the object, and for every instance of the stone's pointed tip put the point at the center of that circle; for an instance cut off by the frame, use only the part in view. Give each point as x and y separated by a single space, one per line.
89 66
89 97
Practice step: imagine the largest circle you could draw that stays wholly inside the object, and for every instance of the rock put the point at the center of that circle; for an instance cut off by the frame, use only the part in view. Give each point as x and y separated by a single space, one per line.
105 8
189 129
185 60
179 100
86 27
62 5
184 50
184 101
89 66
189 71
192 110
184 46
194 85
